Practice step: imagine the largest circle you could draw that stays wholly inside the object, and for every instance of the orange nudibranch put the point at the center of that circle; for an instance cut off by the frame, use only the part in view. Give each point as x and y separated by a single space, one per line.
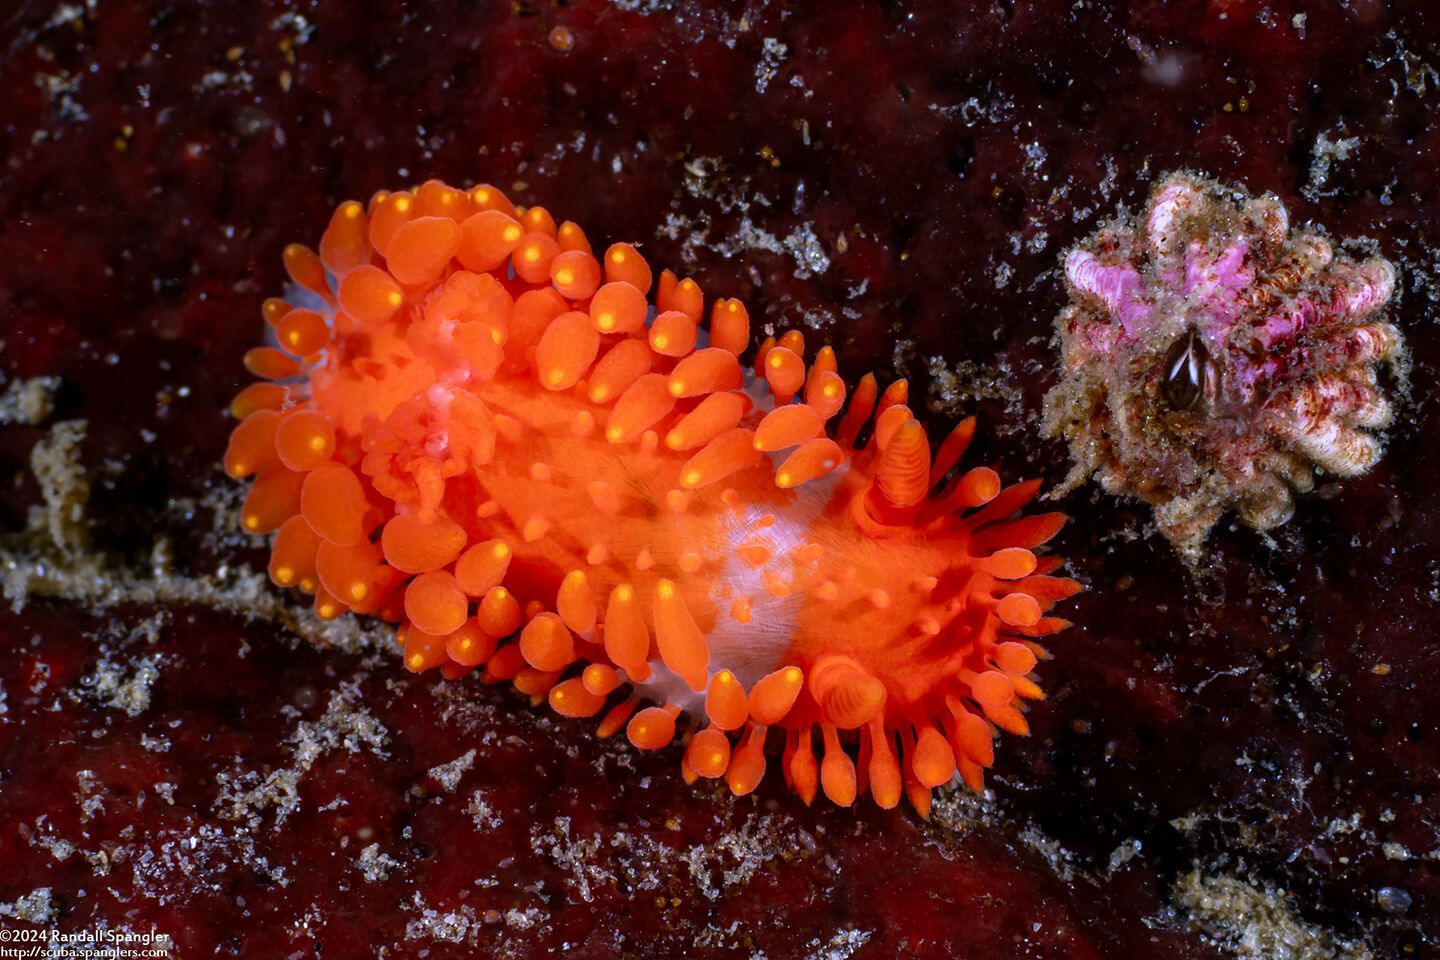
474 427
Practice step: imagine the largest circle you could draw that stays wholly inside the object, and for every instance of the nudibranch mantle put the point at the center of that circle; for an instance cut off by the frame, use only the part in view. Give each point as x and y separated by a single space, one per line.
1213 359
477 429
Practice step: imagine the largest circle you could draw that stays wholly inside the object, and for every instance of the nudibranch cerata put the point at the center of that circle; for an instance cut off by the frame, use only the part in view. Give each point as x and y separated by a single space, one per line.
477 429
1213 359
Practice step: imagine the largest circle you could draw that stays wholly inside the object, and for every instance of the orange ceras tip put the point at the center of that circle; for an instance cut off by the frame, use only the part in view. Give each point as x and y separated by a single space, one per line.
478 428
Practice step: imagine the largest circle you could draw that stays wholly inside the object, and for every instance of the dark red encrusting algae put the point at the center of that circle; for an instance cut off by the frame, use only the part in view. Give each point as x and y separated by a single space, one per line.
182 820
1247 754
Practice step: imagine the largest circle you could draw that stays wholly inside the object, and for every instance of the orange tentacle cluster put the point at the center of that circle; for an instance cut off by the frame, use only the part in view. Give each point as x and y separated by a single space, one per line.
474 427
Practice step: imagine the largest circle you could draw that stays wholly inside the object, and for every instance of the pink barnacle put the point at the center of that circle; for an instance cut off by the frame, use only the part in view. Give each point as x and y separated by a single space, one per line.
1247 362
